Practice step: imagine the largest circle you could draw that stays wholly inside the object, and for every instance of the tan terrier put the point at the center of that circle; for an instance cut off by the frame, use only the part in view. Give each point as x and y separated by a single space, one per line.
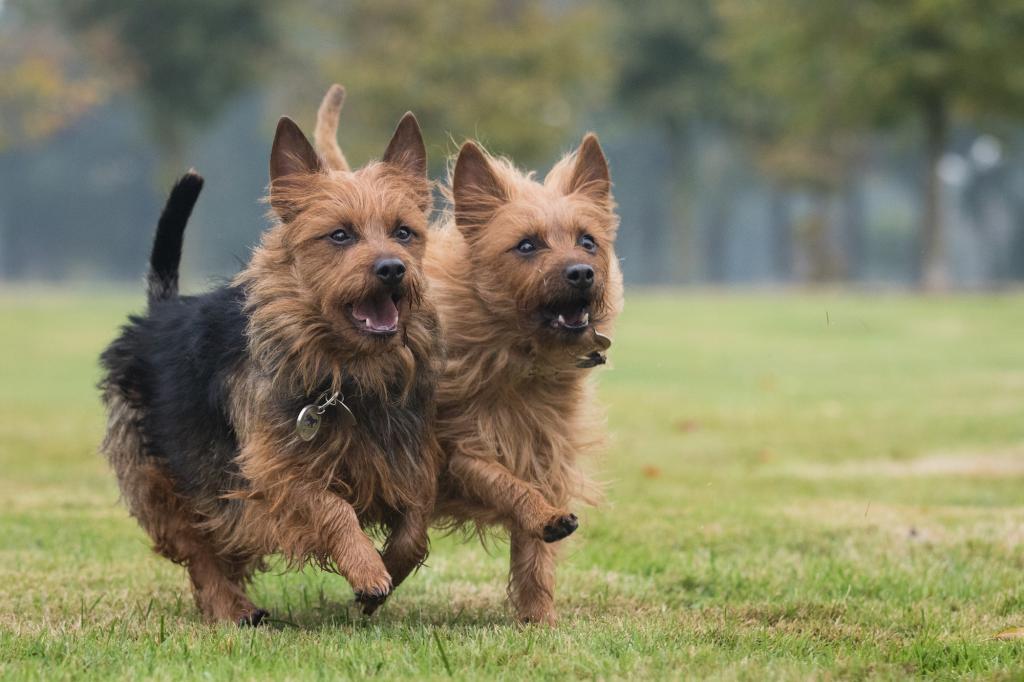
527 284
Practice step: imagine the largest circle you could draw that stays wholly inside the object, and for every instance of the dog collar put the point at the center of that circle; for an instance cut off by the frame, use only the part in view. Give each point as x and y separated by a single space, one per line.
307 424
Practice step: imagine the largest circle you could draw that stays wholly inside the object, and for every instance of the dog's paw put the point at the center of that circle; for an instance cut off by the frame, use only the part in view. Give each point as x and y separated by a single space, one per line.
371 598
372 591
560 527
253 619
370 604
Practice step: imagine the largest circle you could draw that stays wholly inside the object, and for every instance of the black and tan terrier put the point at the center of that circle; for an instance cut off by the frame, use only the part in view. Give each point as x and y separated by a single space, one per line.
528 286
291 411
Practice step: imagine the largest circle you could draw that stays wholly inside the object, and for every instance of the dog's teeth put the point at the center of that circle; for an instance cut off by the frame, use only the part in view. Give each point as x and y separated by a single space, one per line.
585 319
561 320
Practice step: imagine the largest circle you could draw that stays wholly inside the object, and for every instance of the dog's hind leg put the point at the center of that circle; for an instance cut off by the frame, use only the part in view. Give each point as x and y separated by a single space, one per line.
218 586
531 585
148 493
217 583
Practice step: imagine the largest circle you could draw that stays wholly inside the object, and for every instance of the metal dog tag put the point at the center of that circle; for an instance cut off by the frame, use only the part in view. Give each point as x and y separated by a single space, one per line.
311 416
308 423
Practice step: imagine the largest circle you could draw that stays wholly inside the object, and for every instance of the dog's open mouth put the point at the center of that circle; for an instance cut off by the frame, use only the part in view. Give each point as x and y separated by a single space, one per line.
377 314
573 317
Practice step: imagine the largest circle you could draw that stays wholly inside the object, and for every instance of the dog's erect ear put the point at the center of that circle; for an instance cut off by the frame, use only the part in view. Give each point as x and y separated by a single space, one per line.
590 177
292 155
476 189
406 149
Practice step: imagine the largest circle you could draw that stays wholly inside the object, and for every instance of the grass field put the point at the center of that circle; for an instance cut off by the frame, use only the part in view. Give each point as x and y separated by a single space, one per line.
811 486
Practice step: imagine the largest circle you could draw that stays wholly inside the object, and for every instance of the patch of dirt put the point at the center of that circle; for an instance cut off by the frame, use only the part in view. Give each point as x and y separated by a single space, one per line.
974 465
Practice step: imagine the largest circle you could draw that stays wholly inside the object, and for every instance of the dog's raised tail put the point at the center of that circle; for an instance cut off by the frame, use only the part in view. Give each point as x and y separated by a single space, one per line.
162 281
326 134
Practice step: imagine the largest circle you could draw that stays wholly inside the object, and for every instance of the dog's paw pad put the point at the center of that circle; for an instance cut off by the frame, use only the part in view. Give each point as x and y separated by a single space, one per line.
253 619
560 527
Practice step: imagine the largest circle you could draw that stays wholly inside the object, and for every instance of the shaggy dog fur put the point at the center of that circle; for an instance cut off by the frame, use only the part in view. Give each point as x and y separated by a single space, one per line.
203 391
523 273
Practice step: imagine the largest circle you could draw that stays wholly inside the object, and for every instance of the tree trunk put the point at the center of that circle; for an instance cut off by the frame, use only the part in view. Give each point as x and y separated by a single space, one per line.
781 234
853 229
934 272
821 260
679 249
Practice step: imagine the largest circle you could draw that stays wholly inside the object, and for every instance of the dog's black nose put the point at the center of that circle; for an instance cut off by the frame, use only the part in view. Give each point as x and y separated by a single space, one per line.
580 275
389 270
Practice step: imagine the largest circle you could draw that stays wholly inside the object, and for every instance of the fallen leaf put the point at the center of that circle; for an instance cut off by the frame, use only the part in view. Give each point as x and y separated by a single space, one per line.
652 471
685 425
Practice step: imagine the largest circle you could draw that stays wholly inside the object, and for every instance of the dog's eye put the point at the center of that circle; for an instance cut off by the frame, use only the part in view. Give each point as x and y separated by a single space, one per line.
403 233
526 246
340 237
588 243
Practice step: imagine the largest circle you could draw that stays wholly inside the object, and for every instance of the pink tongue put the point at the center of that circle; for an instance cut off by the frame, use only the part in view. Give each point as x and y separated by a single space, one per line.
379 313
574 318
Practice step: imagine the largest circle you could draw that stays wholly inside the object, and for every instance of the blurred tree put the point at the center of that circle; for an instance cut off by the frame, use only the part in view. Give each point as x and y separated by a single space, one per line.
669 77
519 74
786 105
187 59
829 69
44 87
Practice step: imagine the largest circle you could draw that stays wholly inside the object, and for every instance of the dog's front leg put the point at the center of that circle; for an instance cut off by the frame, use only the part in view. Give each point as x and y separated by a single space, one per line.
497 487
404 552
531 585
306 520
352 551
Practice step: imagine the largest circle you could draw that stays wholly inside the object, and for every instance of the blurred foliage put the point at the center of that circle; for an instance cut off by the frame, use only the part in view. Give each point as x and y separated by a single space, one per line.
795 88
818 70
43 87
186 58
816 76
517 74
789 85
668 71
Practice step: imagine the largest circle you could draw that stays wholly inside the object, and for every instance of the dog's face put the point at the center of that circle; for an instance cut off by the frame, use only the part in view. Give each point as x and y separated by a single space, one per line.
353 242
543 254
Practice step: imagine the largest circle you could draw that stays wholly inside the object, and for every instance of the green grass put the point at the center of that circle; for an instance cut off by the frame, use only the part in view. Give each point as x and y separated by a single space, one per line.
813 486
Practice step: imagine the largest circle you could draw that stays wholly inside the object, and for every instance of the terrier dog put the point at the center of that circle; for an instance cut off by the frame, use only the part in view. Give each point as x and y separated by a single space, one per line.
292 409
527 283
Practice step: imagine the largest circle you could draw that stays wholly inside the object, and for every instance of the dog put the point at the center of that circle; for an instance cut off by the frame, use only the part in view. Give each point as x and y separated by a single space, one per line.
528 286
290 411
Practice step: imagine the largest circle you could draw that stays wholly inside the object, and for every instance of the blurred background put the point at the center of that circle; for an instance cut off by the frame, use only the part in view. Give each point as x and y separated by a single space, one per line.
872 144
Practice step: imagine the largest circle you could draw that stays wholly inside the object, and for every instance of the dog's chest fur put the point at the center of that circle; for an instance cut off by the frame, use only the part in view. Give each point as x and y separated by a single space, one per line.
535 424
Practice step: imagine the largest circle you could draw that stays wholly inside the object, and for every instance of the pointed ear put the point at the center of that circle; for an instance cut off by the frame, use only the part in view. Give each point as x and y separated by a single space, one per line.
292 154
590 176
406 149
476 190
